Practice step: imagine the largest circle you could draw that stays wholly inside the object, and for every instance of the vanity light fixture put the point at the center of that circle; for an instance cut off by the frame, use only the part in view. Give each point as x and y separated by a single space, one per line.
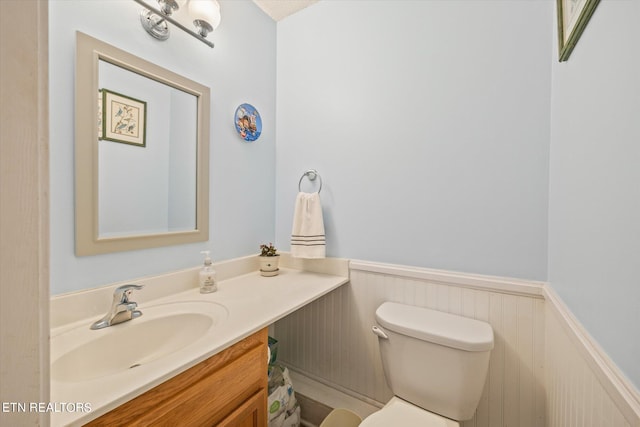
204 13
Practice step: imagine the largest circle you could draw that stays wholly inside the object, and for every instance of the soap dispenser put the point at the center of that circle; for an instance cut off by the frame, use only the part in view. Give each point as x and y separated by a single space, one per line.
208 281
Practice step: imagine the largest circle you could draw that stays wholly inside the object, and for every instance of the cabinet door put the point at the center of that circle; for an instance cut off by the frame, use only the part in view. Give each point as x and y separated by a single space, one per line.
206 394
252 413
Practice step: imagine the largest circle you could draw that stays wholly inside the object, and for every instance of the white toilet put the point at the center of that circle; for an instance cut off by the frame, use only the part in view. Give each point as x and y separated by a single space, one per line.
435 363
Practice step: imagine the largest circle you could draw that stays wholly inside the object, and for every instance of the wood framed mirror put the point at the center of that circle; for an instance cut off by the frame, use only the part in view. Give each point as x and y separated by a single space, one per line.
141 153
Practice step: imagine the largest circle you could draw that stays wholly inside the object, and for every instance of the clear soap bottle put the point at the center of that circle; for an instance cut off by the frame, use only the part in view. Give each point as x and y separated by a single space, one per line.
208 281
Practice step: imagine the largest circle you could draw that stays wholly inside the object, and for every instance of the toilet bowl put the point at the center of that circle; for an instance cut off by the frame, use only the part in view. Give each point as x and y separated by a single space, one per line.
435 364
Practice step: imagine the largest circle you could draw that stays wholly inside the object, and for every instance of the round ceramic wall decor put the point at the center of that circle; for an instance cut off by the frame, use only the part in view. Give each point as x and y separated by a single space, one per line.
248 122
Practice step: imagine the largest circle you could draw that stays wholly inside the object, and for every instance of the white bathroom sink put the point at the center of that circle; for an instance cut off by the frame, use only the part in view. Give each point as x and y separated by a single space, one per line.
82 354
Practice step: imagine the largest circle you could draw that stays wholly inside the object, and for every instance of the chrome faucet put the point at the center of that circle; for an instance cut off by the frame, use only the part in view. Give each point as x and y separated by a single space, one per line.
122 309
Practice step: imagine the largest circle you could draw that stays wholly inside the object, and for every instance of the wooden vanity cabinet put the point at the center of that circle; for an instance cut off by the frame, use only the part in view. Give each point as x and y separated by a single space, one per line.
228 390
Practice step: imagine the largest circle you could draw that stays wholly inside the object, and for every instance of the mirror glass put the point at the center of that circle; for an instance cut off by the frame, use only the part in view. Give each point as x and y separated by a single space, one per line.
142 144
147 187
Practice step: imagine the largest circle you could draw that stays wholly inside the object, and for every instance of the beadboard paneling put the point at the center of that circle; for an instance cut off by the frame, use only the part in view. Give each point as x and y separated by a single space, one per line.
330 340
24 209
584 388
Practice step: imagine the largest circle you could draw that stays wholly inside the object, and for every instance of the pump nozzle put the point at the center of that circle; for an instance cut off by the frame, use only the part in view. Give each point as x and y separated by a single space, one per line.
207 259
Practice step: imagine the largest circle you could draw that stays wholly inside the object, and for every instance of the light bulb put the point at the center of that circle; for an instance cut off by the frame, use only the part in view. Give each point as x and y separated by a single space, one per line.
205 10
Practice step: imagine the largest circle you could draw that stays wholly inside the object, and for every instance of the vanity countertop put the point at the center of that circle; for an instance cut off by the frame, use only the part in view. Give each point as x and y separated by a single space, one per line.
252 301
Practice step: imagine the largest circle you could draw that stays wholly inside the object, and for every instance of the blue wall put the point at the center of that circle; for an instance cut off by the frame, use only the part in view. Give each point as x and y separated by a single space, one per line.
449 136
241 68
429 124
594 201
446 133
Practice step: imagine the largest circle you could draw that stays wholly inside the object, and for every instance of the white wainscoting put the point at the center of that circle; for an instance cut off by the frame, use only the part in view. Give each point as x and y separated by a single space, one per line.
584 387
331 341
545 370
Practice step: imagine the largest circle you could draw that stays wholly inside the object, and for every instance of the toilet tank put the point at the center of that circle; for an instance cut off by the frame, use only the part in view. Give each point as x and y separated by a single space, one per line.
435 360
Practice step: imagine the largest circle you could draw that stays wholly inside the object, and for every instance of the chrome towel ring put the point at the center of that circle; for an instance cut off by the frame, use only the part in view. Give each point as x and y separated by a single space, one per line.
311 174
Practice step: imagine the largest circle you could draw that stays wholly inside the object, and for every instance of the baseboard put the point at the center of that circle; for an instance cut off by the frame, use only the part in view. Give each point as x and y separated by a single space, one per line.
312 412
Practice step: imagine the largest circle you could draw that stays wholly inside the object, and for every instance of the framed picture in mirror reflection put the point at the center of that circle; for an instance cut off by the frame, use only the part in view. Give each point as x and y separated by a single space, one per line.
124 119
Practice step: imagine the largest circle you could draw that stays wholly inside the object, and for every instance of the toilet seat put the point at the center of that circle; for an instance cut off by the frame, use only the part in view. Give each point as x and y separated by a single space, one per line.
402 413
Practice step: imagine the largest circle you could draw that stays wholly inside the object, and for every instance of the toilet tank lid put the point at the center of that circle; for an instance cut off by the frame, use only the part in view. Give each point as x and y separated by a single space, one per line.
436 326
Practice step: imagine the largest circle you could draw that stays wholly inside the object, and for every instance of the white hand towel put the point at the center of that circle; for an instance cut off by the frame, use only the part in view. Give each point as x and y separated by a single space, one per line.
307 233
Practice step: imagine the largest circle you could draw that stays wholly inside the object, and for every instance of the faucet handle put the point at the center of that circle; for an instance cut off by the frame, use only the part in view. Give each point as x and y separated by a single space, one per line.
122 293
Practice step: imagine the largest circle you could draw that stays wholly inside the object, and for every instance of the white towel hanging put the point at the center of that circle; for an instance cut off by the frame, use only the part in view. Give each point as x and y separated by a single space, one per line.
307 233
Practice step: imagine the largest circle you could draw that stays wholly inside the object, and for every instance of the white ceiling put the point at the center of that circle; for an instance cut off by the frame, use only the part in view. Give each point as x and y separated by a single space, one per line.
280 9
